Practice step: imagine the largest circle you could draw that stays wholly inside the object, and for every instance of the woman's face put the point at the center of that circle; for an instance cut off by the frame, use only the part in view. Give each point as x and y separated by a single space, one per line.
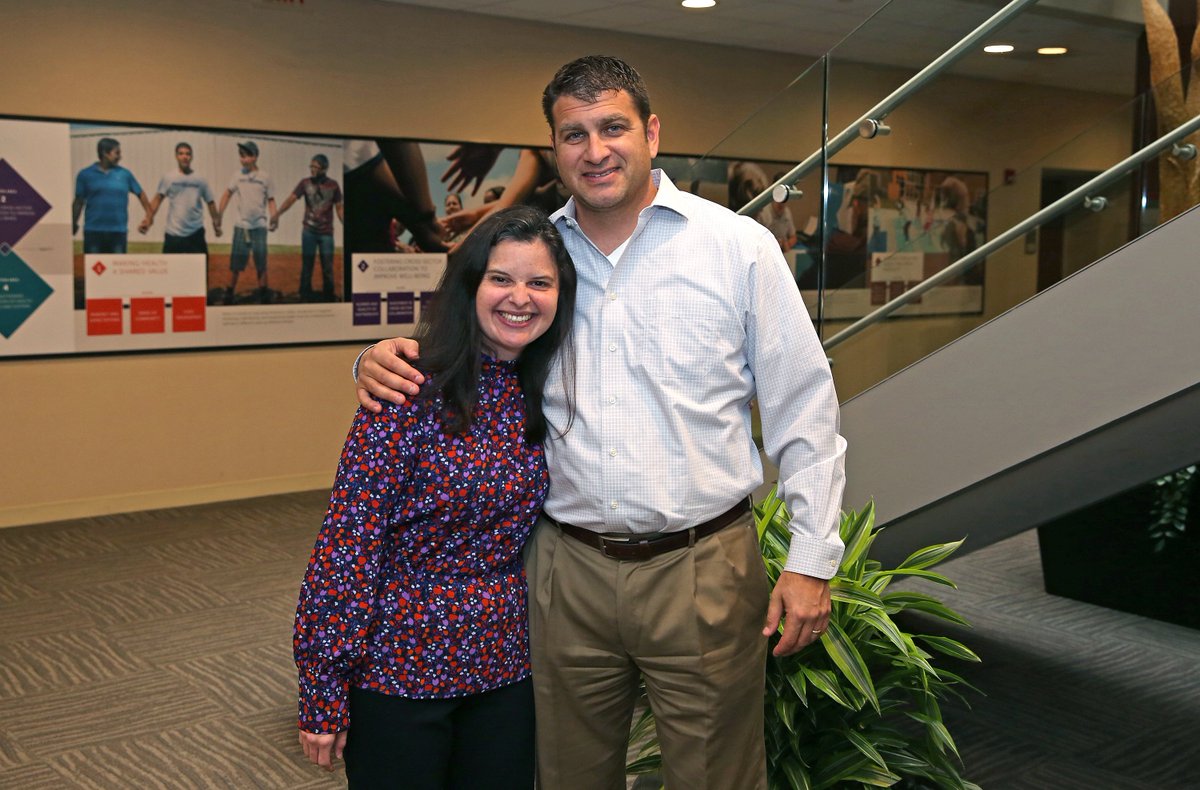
453 203
517 298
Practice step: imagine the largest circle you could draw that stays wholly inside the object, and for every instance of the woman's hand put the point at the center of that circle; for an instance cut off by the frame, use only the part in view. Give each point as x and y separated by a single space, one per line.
321 748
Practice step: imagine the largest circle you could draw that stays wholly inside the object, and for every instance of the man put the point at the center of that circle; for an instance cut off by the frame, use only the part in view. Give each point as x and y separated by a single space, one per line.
322 197
187 194
104 187
256 213
648 561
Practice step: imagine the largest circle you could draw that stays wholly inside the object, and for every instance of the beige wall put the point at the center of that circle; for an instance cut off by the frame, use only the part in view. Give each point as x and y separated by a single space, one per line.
107 434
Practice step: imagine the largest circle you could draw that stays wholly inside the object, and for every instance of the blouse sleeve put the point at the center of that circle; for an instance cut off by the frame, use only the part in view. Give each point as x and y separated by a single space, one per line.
336 599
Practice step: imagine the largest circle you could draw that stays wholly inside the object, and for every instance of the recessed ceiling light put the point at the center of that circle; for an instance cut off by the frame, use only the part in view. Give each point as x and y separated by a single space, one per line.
998 49
698 3
1052 50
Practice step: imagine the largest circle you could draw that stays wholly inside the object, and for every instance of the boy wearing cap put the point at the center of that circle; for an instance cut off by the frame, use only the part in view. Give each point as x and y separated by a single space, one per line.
322 197
256 214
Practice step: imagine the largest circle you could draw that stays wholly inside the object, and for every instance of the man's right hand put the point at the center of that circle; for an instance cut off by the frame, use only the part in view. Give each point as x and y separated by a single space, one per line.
384 374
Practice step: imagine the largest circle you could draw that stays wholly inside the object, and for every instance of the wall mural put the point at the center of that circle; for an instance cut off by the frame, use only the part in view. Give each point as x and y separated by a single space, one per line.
130 238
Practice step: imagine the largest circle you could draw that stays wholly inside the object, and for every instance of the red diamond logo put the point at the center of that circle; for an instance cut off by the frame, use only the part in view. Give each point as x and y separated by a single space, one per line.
99 268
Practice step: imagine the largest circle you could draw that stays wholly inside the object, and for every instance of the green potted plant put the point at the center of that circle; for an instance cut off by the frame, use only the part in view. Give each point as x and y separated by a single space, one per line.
862 706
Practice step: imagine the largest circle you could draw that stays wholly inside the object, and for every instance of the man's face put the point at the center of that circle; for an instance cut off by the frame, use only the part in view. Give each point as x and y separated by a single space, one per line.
183 156
315 168
111 158
249 160
603 152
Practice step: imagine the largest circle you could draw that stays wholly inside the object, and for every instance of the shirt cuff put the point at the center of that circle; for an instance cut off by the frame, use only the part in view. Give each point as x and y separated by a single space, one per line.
324 702
813 557
358 359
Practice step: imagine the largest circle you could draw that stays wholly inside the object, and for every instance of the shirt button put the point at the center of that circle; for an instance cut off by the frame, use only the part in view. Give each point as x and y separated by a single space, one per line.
613 451
612 346
612 399
613 505
612 297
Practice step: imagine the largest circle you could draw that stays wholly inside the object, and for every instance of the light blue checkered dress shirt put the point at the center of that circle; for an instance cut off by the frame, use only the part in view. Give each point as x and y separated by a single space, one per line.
699 316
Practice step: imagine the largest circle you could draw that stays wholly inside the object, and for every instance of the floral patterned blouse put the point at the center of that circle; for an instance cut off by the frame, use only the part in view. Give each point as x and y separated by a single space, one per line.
415 587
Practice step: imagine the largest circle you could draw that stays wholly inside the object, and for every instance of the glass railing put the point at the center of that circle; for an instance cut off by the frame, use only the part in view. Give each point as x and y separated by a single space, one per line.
909 243
791 126
974 150
921 222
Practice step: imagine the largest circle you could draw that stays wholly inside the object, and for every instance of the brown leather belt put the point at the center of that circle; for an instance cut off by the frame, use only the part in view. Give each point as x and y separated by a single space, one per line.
641 547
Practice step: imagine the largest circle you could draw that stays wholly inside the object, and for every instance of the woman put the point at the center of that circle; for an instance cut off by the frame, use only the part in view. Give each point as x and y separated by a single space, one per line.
411 627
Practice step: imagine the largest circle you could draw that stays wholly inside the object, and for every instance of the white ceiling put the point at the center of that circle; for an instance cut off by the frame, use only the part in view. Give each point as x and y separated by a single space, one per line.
1101 34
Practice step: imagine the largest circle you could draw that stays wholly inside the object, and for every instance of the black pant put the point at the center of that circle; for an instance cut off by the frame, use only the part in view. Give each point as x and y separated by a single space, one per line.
480 742
193 242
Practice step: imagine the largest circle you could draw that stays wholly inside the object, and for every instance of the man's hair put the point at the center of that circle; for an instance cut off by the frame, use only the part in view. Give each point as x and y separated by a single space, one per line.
183 145
586 78
322 160
104 145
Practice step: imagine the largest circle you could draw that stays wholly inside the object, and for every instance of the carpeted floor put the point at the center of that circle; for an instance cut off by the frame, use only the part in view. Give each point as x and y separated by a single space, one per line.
152 650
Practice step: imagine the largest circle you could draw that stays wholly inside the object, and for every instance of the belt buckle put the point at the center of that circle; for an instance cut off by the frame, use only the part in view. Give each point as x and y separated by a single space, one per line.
616 544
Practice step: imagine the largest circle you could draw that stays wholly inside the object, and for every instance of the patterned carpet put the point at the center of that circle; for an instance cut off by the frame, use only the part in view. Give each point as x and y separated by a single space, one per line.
152 650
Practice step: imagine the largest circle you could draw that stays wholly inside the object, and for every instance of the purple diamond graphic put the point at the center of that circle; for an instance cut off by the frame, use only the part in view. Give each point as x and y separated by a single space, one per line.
21 207
362 266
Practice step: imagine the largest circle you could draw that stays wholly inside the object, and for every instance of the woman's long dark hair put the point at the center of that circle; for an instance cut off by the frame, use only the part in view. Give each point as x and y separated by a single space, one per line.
449 334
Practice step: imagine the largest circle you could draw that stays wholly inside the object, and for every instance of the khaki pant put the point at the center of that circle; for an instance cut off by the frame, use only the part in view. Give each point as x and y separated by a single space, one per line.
689 620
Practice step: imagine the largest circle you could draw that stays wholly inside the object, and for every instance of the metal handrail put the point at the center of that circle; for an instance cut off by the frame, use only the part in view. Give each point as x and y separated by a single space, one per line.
1067 202
894 100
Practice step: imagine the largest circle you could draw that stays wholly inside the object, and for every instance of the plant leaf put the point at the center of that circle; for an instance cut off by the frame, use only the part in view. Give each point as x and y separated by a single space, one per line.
765 513
797 681
930 555
786 708
645 765
826 681
948 646
865 746
885 626
856 534
642 727
796 775
869 775
849 592
916 657
900 759
846 658
930 575
937 730
834 771
920 602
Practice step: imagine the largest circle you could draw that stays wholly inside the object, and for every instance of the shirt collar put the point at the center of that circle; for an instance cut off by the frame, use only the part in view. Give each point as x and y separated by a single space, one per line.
667 196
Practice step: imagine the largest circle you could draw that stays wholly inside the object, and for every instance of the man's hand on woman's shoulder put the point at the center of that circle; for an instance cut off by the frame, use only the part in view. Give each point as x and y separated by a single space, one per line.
384 374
